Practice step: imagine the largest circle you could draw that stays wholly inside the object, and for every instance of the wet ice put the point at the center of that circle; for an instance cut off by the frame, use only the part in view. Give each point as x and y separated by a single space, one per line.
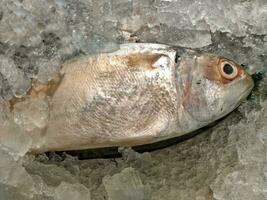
225 162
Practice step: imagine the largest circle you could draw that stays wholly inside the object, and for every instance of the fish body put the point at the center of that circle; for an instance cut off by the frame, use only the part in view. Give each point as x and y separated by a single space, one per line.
140 94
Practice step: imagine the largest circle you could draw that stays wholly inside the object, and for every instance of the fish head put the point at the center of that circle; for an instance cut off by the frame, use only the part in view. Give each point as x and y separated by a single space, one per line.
214 87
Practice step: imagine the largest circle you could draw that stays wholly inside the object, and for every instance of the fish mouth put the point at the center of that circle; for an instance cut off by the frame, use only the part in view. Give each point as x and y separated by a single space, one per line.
244 94
248 84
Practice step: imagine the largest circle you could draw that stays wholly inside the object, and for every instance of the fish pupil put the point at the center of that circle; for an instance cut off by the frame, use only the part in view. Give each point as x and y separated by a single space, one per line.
228 69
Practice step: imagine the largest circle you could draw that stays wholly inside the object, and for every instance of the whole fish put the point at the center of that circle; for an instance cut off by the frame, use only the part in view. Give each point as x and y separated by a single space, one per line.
140 94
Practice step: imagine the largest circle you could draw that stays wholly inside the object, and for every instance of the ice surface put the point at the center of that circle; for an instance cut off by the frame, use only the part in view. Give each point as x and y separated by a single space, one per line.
4 111
32 113
126 185
227 161
248 179
14 175
66 191
15 77
14 140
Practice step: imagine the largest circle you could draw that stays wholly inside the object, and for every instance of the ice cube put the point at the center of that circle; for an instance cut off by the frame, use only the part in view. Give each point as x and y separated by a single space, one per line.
32 113
18 82
67 191
14 140
126 185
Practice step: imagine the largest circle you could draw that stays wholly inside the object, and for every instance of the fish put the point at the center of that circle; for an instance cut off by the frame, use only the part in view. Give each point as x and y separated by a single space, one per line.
140 94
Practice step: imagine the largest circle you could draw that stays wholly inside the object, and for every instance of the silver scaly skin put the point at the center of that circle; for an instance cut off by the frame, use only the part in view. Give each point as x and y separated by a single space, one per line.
139 95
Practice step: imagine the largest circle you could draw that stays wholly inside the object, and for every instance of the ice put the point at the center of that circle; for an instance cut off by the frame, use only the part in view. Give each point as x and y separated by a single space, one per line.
14 175
23 21
14 140
237 17
249 179
17 184
226 161
66 191
126 185
4 111
5 89
52 174
32 113
16 79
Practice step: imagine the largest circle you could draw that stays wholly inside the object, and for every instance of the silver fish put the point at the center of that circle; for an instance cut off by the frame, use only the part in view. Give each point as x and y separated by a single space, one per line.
138 95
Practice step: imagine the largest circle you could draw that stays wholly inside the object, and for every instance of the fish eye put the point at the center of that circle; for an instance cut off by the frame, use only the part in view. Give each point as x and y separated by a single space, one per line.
228 71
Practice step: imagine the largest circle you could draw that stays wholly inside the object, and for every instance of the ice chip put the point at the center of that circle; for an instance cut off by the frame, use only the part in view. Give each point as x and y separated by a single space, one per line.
13 174
32 113
126 185
67 191
14 140
18 82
